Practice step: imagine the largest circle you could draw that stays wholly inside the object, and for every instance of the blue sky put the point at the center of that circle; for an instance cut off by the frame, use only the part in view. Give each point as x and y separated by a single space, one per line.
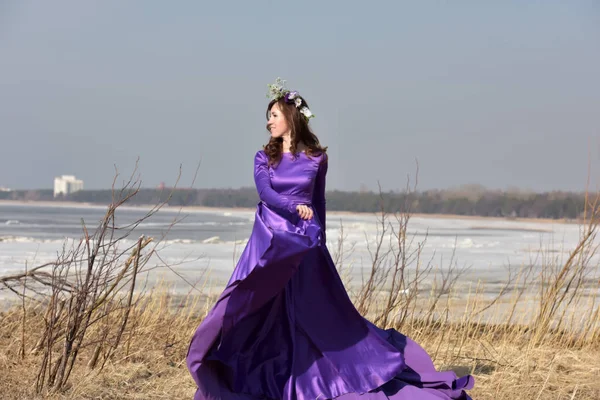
503 94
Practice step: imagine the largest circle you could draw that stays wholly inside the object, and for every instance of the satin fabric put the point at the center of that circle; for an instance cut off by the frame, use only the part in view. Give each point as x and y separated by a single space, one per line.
285 328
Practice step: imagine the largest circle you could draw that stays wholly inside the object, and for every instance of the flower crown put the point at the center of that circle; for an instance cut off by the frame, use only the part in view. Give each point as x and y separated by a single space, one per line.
278 90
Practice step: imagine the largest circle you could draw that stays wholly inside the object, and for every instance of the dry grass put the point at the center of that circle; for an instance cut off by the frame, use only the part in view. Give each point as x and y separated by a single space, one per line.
150 364
538 338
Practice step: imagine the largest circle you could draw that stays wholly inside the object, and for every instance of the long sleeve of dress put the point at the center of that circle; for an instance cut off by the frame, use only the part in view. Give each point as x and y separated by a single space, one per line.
262 179
318 198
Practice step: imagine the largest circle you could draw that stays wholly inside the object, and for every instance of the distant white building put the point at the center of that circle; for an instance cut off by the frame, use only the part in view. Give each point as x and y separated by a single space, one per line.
5 189
67 184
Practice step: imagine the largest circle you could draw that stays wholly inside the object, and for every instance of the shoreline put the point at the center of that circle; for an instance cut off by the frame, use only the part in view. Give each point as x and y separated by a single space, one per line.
77 204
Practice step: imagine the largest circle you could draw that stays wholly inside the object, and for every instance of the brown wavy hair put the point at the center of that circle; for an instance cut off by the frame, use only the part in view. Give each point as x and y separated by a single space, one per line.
299 132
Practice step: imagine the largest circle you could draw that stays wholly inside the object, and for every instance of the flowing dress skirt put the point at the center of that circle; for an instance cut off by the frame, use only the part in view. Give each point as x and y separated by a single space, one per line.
285 328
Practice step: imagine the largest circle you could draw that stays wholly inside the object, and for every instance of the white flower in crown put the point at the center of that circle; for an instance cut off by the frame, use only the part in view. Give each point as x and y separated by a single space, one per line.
298 102
306 112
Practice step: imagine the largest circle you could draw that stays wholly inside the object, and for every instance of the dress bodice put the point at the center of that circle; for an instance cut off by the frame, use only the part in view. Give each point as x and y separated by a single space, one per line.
295 179
295 176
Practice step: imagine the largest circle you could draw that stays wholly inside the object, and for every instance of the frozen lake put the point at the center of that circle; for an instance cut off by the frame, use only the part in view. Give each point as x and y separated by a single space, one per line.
215 238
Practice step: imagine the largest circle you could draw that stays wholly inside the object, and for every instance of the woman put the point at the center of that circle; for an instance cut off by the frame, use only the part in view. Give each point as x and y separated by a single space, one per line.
284 327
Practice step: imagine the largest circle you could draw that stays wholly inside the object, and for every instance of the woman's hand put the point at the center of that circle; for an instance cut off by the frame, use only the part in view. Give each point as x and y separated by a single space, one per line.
305 212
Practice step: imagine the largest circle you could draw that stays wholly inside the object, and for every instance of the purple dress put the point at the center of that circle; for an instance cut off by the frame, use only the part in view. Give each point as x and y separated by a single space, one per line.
285 328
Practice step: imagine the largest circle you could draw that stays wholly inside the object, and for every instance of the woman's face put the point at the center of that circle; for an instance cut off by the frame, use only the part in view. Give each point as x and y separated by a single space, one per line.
277 124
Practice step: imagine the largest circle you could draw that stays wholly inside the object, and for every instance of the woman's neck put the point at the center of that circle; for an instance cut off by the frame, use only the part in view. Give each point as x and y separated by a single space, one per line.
287 143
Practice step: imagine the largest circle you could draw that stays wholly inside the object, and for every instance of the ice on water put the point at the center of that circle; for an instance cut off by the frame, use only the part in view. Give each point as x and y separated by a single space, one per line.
214 239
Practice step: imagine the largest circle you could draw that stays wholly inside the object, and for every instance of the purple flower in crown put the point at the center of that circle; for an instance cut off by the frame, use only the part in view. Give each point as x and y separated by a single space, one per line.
290 96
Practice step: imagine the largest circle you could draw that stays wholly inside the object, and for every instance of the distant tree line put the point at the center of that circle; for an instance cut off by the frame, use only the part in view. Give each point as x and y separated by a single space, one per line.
474 201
